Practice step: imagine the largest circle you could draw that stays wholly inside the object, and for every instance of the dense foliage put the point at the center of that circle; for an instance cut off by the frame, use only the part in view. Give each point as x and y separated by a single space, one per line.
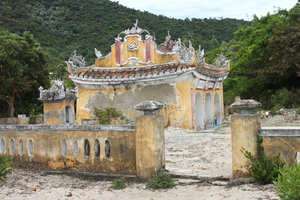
22 72
4 165
61 26
288 182
265 60
263 169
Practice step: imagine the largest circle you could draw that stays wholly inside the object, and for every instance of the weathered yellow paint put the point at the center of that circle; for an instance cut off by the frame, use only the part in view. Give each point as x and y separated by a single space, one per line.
53 112
156 56
183 111
244 130
84 95
179 115
285 146
47 149
150 145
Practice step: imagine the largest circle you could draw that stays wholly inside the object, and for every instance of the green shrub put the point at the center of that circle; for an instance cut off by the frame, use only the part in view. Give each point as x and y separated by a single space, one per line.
118 184
105 115
288 183
32 119
161 180
263 169
274 109
4 165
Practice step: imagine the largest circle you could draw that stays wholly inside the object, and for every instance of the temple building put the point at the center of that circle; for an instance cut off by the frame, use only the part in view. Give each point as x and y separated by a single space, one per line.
137 69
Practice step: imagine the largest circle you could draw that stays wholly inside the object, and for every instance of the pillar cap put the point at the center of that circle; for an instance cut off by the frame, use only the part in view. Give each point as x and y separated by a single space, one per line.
149 107
245 105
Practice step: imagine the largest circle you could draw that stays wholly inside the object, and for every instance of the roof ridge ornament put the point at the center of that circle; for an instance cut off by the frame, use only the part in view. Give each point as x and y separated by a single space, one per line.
77 60
200 56
185 54
221 61
134 30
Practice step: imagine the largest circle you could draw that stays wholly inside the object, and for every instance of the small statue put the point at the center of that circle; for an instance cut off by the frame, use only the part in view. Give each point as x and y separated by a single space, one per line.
98 53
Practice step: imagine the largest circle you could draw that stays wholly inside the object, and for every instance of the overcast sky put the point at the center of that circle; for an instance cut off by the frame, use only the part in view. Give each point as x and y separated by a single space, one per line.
239 9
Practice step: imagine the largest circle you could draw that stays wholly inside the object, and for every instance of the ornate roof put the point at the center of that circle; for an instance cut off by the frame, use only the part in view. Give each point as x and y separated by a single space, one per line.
125 74
131 73
135 59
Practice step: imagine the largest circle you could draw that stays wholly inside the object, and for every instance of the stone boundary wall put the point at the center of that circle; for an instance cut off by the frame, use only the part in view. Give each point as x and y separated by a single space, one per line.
103 149
283 140
9 121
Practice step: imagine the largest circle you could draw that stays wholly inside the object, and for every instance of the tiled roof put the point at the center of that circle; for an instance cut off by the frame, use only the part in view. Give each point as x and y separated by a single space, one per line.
131 72
141 73
215 72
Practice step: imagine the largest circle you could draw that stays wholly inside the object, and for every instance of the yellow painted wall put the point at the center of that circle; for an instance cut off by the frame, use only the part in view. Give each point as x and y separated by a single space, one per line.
150 145
82 112
287 147
244 130
181 114
54 113
47 149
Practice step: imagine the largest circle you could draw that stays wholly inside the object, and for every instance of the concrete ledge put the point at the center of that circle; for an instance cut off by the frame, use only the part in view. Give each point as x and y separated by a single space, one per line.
66 128
280 131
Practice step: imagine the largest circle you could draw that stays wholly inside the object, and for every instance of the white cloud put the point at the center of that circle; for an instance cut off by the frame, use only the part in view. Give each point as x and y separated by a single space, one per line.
240 9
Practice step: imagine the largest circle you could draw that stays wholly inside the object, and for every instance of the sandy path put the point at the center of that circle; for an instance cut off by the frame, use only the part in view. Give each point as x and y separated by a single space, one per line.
201 153
206 153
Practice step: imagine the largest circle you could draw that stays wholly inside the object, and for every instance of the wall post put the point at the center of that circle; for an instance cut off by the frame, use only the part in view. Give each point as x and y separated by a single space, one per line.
244 131
149 140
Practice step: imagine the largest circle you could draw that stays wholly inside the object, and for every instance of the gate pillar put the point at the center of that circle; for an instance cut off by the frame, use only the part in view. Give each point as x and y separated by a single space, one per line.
244 130
149 140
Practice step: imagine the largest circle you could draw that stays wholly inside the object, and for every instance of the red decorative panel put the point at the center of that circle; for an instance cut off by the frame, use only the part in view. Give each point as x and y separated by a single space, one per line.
148 49
117 51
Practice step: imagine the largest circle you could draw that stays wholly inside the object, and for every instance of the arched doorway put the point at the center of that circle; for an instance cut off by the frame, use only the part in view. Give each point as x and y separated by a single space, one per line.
208 111
217 110
199 112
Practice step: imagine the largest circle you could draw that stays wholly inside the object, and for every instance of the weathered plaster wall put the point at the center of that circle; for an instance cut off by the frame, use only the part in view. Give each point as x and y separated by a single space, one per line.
49 143
123 99
180 99
283 140
55 112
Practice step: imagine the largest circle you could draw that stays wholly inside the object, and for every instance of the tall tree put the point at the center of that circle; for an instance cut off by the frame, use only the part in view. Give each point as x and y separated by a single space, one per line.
285 46
22 69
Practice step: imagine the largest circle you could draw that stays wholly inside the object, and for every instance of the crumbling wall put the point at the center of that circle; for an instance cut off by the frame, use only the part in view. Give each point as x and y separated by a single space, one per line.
105 149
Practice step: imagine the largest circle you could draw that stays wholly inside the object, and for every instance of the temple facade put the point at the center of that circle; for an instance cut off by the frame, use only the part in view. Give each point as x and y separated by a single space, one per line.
137 69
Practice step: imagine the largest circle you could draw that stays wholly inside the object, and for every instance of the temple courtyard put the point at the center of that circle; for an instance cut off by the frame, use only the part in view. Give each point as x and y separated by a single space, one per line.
188 152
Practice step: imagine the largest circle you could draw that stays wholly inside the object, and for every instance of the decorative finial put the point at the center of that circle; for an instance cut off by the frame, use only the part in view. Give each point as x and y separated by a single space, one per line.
136 23
98 53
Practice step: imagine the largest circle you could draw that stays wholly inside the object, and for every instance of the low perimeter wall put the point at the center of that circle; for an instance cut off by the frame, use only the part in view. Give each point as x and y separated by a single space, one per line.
283 140
135 149
105 149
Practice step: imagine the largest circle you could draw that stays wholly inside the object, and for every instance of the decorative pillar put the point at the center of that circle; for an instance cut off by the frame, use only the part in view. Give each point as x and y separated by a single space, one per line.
244 130
149 140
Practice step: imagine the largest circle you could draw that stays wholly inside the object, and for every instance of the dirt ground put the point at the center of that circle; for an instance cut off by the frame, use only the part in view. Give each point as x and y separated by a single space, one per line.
200 153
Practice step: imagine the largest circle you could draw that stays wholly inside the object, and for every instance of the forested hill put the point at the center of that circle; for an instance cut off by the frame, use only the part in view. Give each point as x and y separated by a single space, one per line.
62 26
